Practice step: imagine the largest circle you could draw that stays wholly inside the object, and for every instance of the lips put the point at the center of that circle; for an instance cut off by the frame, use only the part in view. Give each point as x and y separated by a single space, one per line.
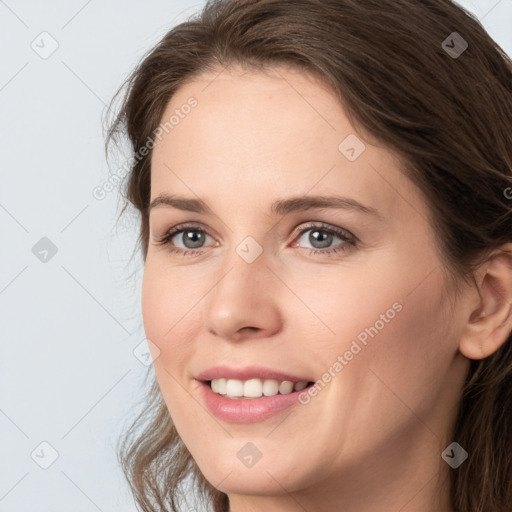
248 410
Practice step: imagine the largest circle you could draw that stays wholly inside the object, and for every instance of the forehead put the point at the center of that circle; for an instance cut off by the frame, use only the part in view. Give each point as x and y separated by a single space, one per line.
254 136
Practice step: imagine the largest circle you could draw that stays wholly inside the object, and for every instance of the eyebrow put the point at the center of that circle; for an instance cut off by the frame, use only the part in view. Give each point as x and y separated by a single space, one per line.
279 207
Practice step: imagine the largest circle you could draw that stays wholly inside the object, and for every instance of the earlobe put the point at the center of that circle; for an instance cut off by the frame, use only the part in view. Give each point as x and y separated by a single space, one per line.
489 324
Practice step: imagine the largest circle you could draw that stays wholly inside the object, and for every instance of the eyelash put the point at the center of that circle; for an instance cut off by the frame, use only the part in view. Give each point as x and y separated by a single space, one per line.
348 239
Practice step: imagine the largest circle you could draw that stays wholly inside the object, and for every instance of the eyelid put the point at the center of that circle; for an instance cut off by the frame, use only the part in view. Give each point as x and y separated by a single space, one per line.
349 241
322 226
180 228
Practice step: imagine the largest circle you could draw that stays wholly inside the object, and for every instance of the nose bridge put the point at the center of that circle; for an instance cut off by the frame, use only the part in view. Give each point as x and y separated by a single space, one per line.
244 266
242 297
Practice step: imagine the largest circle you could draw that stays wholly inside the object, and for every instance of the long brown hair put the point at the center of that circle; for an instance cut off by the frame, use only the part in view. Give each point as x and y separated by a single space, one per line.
441 101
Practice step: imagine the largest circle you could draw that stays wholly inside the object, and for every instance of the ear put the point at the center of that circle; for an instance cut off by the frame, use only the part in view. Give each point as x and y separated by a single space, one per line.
489 323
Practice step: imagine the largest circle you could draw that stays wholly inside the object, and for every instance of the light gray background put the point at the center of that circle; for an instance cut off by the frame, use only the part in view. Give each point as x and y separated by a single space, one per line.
68 373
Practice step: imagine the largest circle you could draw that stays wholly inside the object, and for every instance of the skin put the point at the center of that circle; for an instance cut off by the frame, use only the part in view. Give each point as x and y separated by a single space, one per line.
372 438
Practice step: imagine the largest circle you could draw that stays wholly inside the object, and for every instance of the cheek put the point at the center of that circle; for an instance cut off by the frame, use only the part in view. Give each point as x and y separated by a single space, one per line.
395 340
170 305
408 361
337 307
158 310
172 322
161 311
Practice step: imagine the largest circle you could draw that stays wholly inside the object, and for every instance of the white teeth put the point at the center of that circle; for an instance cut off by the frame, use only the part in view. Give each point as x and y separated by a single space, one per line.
254 388
234 388
285 387
270 387
299 386
219 386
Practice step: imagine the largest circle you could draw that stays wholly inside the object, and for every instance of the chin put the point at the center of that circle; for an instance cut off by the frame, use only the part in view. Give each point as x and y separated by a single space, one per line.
265 478
250 484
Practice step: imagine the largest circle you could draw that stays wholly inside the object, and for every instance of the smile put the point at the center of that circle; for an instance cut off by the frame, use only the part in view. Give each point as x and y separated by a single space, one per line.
245 409
254 388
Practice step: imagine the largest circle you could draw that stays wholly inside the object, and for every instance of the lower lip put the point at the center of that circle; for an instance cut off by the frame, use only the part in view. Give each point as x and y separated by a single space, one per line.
246 410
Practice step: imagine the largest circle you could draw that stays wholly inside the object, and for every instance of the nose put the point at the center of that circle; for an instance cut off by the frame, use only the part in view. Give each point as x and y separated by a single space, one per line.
245 301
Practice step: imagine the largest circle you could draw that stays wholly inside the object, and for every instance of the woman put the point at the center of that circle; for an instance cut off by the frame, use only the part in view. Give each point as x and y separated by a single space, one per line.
326 224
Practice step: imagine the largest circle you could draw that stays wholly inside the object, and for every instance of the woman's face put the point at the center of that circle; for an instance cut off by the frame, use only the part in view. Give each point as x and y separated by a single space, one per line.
282 276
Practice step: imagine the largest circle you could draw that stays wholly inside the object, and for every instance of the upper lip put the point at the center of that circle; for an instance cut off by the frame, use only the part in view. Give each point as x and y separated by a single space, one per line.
248 372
